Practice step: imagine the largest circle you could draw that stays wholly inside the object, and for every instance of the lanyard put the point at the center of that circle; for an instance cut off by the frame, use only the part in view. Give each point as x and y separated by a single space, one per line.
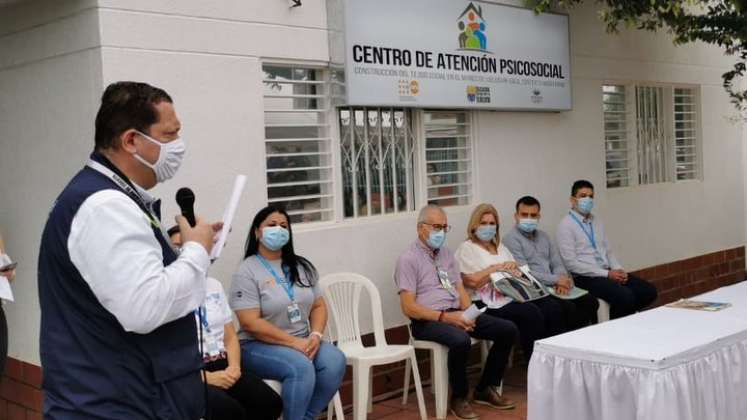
127 189
284 281
202 314
443 275
589 234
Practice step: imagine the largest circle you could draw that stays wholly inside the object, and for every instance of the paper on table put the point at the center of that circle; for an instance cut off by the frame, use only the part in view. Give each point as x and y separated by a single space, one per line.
5 291
699 305
233 204
472 312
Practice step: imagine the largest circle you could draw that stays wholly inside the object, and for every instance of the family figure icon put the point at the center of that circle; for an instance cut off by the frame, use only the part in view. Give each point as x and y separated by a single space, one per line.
472 32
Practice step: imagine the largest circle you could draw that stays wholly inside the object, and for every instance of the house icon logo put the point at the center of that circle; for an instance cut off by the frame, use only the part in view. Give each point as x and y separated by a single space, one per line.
472 26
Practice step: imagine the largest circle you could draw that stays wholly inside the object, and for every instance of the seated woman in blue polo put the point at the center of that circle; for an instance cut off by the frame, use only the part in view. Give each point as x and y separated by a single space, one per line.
282 314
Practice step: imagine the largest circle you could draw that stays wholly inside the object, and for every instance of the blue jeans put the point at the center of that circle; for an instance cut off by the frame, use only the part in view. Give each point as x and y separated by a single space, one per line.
308 386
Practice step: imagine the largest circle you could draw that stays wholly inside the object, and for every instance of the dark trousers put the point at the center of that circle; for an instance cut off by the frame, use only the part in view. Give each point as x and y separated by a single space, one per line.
579 312
527 317
624 299
248 398
552 313
501 332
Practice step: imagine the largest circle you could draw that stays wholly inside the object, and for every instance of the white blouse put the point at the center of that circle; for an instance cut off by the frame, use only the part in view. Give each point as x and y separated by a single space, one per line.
472 258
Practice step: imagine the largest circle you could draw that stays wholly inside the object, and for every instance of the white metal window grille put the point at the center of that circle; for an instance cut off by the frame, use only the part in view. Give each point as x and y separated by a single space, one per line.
617 148
654 138
448 157
685 134
377 148
297 142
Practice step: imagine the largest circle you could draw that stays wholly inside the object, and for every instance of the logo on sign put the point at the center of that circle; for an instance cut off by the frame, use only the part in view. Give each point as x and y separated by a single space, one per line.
408 89
472 27
478 94
536 96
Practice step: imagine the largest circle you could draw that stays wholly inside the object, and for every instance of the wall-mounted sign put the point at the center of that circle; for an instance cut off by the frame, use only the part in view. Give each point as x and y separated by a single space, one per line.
455 54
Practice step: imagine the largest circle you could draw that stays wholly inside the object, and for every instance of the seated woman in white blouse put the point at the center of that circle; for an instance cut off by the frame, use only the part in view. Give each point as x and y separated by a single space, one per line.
481 255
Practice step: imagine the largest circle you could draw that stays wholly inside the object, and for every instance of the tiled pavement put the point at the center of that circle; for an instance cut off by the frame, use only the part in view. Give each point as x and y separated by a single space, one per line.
514 388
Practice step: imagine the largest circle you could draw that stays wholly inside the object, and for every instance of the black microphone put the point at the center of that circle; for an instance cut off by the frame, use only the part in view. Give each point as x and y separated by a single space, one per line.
185 198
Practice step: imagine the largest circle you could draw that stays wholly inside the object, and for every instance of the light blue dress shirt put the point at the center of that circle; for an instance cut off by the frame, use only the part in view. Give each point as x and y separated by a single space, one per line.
582 255
538 252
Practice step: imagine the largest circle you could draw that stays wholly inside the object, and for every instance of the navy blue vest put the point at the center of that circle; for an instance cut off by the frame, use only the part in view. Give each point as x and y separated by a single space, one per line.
92 367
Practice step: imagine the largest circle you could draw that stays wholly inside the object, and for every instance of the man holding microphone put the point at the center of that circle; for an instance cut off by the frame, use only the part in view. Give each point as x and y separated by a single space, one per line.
118 336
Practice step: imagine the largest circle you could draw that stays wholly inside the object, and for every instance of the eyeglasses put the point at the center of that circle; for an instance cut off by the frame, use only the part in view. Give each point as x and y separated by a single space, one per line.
445 228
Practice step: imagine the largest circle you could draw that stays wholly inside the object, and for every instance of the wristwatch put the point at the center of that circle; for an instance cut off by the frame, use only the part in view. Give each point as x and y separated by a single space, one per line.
318 334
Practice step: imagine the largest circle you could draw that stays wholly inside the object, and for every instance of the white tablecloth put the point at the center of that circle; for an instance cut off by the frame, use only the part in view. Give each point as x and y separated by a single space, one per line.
662 364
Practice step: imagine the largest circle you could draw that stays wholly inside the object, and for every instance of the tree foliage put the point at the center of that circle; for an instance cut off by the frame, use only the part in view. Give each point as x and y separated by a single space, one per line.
716 22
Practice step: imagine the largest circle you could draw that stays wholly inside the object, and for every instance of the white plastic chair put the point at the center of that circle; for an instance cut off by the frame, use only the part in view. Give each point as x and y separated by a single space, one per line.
603 313
342 291
336 402
439 371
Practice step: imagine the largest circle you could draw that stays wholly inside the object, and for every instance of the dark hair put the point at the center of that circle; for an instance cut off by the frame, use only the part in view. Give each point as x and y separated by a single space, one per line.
173 230
581 183
289 257
126 105
528 201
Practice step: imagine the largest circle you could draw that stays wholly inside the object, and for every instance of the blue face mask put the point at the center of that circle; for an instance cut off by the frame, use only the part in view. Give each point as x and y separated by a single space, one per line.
274 237
486 232
528 225
585 205
436 239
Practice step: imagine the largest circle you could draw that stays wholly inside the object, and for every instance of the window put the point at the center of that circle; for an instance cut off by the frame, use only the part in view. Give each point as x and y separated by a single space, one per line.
377 148
650 134
448 157
297 142
685 135
383 151
654 146
616 136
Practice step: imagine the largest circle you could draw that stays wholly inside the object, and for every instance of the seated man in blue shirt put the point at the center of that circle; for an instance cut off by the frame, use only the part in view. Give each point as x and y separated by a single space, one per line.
586 254
533 247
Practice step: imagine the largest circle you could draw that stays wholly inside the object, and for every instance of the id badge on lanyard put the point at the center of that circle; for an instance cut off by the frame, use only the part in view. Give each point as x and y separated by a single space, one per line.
592 240
212 347
443 277
294 311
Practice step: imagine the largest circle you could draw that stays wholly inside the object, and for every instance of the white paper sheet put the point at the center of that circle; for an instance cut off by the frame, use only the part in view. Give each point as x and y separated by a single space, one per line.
5 291
472 312
233 204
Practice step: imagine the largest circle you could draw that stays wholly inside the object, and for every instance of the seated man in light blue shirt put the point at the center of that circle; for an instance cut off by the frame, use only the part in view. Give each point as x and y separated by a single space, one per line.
586 254
533 247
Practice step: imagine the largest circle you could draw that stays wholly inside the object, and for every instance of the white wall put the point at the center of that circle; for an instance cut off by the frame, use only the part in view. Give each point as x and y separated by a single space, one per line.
50 78
207 56
54 64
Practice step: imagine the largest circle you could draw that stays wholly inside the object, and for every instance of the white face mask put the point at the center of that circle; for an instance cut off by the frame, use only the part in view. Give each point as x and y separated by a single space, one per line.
169 158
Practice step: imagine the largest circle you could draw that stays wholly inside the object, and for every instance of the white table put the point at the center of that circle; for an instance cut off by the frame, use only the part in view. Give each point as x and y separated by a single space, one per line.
662 364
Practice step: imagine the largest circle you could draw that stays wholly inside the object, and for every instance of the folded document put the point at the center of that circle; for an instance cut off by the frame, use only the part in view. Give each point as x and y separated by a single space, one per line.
522 289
